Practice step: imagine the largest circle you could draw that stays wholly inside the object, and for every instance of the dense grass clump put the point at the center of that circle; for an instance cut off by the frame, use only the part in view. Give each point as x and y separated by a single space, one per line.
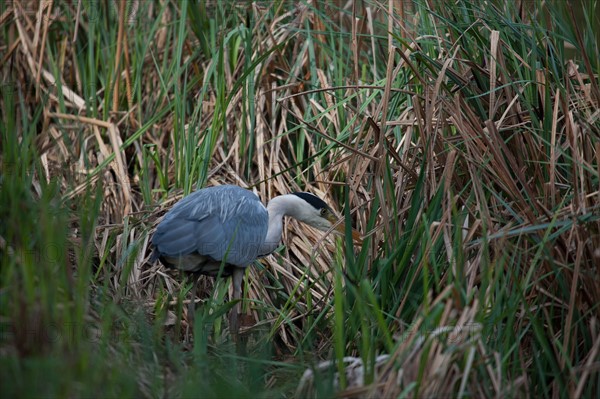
461 138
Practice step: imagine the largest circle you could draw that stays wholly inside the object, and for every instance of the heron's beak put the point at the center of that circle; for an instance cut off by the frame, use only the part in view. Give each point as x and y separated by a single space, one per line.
341 227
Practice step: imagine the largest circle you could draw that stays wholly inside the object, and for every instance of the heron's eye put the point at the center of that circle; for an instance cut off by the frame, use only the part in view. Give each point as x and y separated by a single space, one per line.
323 211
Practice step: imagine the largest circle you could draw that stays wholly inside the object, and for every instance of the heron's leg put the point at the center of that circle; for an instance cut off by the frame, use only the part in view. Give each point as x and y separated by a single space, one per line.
192 304
237 279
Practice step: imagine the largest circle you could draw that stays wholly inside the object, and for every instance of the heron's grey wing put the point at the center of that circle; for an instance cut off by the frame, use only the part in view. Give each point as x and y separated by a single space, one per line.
224 223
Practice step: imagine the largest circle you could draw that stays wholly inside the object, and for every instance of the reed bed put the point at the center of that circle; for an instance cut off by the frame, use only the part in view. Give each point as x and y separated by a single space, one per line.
461 138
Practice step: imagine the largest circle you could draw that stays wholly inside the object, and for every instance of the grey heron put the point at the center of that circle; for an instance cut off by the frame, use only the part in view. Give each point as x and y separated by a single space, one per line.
225 228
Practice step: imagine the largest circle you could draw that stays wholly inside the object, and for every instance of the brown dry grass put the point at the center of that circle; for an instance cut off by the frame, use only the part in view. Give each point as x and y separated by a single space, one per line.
528 197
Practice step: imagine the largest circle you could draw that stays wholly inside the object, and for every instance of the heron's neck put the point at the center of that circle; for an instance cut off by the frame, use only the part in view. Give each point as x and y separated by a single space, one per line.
278 207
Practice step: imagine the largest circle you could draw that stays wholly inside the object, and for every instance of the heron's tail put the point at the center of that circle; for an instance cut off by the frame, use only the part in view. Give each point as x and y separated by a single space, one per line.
155 255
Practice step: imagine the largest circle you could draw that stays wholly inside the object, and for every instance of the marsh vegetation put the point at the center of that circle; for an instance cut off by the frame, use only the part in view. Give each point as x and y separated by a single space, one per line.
461 138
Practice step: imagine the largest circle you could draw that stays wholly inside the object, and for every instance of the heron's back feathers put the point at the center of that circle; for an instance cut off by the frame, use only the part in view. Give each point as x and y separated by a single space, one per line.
214 225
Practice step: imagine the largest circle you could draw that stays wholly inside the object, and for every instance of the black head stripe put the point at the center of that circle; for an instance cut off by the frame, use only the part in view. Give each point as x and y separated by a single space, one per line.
312 199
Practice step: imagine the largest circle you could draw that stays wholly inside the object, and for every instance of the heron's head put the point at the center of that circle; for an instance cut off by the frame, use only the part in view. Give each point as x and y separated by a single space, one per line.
315 212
